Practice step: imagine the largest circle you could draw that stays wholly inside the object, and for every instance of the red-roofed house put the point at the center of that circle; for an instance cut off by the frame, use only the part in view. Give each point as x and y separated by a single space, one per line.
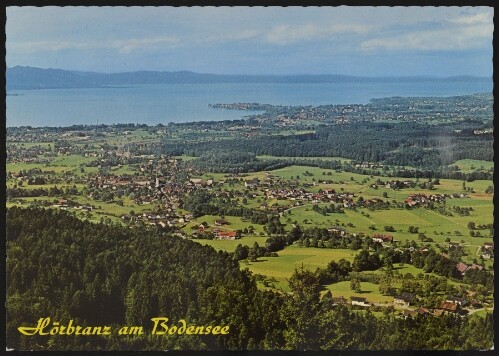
461 268
225 235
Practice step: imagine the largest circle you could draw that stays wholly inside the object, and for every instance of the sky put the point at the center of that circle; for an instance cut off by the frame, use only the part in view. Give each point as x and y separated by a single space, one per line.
363 41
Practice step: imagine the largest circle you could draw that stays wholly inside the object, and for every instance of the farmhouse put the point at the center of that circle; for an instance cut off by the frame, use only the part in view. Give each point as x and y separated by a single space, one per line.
225 235
340 300
220 222
463 267
382 238
202 227
456 300
404 299
360 301
448 306
337 229
423 311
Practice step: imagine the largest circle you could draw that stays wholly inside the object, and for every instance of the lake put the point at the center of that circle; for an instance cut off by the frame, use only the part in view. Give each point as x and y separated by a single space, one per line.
164 103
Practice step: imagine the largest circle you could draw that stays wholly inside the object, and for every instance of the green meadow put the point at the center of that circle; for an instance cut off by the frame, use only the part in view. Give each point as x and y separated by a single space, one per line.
468 165
281 268
230 245
368 290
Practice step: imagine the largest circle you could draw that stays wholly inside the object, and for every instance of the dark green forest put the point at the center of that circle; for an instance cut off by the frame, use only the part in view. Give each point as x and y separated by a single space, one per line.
428 148
96 274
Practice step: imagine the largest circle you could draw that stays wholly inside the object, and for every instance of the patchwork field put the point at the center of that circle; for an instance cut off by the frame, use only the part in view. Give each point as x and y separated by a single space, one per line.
437 226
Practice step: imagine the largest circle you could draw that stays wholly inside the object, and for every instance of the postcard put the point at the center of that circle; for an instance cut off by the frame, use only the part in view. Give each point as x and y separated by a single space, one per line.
249 178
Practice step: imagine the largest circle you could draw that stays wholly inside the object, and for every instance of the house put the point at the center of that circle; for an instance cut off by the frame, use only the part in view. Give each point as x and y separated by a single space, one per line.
202 227
447 306
335 229
340 300
457 300
461 268
488 254
438 312
253 183
488 250
382 238
220 222
404 299
359 301
423 311
196 181
226 235
475 266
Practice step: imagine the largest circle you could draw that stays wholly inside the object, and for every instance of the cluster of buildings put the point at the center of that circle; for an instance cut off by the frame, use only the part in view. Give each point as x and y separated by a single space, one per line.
218 233
462 267
65 204
451 304
162 219
422 199
393 184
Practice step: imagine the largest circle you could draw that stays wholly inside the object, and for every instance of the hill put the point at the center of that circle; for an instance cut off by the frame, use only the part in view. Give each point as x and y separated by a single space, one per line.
22 78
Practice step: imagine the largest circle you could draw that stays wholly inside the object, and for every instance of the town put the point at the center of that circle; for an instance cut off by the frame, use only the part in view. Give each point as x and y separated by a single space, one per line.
414 241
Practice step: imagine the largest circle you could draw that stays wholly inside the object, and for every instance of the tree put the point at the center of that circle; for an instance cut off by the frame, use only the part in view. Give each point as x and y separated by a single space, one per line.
385 286
355 284
413 229
241 252
254 252
302 311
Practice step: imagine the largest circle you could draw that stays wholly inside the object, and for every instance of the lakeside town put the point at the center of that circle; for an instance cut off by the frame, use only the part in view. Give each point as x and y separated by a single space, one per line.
117 175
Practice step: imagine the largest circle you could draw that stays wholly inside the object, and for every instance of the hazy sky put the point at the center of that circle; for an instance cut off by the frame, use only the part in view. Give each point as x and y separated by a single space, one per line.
241 40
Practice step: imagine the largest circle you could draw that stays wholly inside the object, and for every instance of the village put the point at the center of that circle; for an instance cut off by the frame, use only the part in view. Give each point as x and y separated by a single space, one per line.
113 175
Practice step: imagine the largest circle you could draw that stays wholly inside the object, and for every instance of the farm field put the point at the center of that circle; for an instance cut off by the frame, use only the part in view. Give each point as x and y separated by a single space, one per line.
280 268
368 290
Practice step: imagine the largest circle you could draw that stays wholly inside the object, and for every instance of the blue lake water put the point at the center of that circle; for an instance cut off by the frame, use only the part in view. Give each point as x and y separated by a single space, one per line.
164 103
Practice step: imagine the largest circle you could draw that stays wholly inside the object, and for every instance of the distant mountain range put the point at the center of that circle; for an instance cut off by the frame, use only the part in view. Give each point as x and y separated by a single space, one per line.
18 78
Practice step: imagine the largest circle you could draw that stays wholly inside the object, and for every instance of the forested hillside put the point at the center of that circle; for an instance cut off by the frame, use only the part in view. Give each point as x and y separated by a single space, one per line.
397 144
63 268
